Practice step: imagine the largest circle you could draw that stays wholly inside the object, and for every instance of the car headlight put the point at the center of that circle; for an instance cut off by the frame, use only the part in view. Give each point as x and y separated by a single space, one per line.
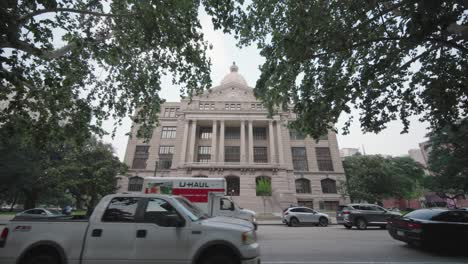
254 219
249 237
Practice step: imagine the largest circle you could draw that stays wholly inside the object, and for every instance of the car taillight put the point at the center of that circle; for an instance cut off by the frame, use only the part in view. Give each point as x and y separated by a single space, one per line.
413 225
3 237
286 213
346 213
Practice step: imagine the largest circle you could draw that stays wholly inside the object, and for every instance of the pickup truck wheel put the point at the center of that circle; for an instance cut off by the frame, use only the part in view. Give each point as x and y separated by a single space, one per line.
361 224
323 222
41 258
294 221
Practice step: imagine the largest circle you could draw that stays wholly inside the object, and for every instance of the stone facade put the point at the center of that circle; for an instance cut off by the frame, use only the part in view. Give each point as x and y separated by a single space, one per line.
226 132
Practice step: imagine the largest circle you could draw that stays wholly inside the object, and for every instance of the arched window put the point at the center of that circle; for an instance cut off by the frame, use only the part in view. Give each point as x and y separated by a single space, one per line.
263 186
135 184
303 186
328 186
233 185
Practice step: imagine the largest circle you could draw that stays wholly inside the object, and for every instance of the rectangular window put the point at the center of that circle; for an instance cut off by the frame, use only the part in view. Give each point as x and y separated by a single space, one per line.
324 160
232 133
168 132
140 158
260 155
231 154
252 106
204 154
172 112
205 132
207 106
259 133
259 106
212 106
121 209
328 205
299 157
166 112
233 107
226 106
296 135
238 107
201 106
165 157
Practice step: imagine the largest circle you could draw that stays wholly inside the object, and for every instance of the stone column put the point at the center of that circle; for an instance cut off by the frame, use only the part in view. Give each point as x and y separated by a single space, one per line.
221 141
251 159
242 142
193 137
214 139
184 143
272 142
280 142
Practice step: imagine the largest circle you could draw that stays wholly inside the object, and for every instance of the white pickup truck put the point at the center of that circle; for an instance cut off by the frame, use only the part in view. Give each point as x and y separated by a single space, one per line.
132 228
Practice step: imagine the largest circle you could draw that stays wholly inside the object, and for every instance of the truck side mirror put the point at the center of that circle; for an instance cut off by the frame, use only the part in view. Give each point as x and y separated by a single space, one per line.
174 221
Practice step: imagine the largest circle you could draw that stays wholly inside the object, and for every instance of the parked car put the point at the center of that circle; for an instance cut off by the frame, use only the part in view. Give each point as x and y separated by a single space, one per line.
364 215
39 212
437 228
340 214
132 228
295 216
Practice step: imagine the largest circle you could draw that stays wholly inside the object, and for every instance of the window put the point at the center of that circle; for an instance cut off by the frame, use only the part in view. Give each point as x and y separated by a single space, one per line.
296 135
172 112
303 186
260 155
205 132
121 209
238 107
165 157
231 154
233 107
306 203
212 106
324 160
328 205
252 106
135 184
168 132
226 204
328 186
226 106
140 158
259 133
232 133
263 186
204 154
452 216
201 106
259 106
158 211
299 157
233 185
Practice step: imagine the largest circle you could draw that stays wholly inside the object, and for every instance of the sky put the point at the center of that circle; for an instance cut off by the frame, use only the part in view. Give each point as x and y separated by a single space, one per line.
225 51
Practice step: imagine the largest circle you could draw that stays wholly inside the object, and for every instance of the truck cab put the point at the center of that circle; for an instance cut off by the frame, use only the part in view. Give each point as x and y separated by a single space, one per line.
220 205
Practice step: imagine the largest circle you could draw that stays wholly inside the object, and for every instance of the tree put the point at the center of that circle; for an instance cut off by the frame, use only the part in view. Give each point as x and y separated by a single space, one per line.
263 189
374 178
388 59
91 170
448 160
65 62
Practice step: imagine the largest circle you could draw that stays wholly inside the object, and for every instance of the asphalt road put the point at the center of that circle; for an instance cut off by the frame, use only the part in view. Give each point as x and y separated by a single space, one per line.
337 245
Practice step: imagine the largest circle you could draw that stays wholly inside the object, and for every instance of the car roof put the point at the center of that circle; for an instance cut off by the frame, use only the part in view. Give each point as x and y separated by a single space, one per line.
295 207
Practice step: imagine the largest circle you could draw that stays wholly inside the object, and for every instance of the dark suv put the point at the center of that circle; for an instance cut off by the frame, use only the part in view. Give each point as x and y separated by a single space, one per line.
364 215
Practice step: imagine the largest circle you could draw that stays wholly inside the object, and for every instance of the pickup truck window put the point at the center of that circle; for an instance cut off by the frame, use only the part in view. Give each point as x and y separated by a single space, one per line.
158 211
193 212
121 209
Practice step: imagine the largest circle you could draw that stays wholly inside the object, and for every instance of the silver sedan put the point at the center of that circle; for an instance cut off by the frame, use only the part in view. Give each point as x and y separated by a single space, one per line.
295 216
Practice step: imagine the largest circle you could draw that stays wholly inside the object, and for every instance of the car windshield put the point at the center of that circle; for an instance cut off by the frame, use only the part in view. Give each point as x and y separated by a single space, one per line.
423 214
193 211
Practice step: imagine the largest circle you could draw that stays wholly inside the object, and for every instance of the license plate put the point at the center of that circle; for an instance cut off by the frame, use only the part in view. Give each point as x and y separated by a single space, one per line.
400 233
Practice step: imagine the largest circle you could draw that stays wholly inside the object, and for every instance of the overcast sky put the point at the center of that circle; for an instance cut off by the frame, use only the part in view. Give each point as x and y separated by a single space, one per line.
224 52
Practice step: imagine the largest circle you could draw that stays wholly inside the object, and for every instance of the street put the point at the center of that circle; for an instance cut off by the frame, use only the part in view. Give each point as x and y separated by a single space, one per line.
337 245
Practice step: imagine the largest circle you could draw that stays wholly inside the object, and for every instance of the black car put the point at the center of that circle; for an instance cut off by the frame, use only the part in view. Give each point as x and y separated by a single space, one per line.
435 228
364 215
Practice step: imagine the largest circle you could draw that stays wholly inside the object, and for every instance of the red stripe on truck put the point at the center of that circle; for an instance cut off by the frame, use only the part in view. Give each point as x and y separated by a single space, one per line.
195 195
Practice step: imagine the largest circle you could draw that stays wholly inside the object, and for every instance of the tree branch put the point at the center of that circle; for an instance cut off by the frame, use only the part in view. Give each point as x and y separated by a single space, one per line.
26 17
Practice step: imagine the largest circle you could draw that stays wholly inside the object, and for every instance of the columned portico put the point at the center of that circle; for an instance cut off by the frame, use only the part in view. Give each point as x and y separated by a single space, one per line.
193 134
242 142
221 142
272 142
214 141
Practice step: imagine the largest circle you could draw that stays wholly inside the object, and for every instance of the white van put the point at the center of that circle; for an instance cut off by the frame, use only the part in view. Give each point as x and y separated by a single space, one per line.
206 193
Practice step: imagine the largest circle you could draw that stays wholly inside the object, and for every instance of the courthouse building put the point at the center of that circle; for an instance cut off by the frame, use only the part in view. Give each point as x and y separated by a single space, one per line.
225 132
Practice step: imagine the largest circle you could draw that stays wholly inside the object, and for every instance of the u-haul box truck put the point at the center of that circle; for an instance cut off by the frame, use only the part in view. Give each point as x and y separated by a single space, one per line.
206 193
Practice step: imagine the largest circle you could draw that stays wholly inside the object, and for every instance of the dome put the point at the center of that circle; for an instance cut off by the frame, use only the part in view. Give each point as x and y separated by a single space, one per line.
234 77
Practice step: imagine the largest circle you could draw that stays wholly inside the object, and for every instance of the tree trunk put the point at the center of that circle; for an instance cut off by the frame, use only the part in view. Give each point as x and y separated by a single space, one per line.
30 199
13 203
90 206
